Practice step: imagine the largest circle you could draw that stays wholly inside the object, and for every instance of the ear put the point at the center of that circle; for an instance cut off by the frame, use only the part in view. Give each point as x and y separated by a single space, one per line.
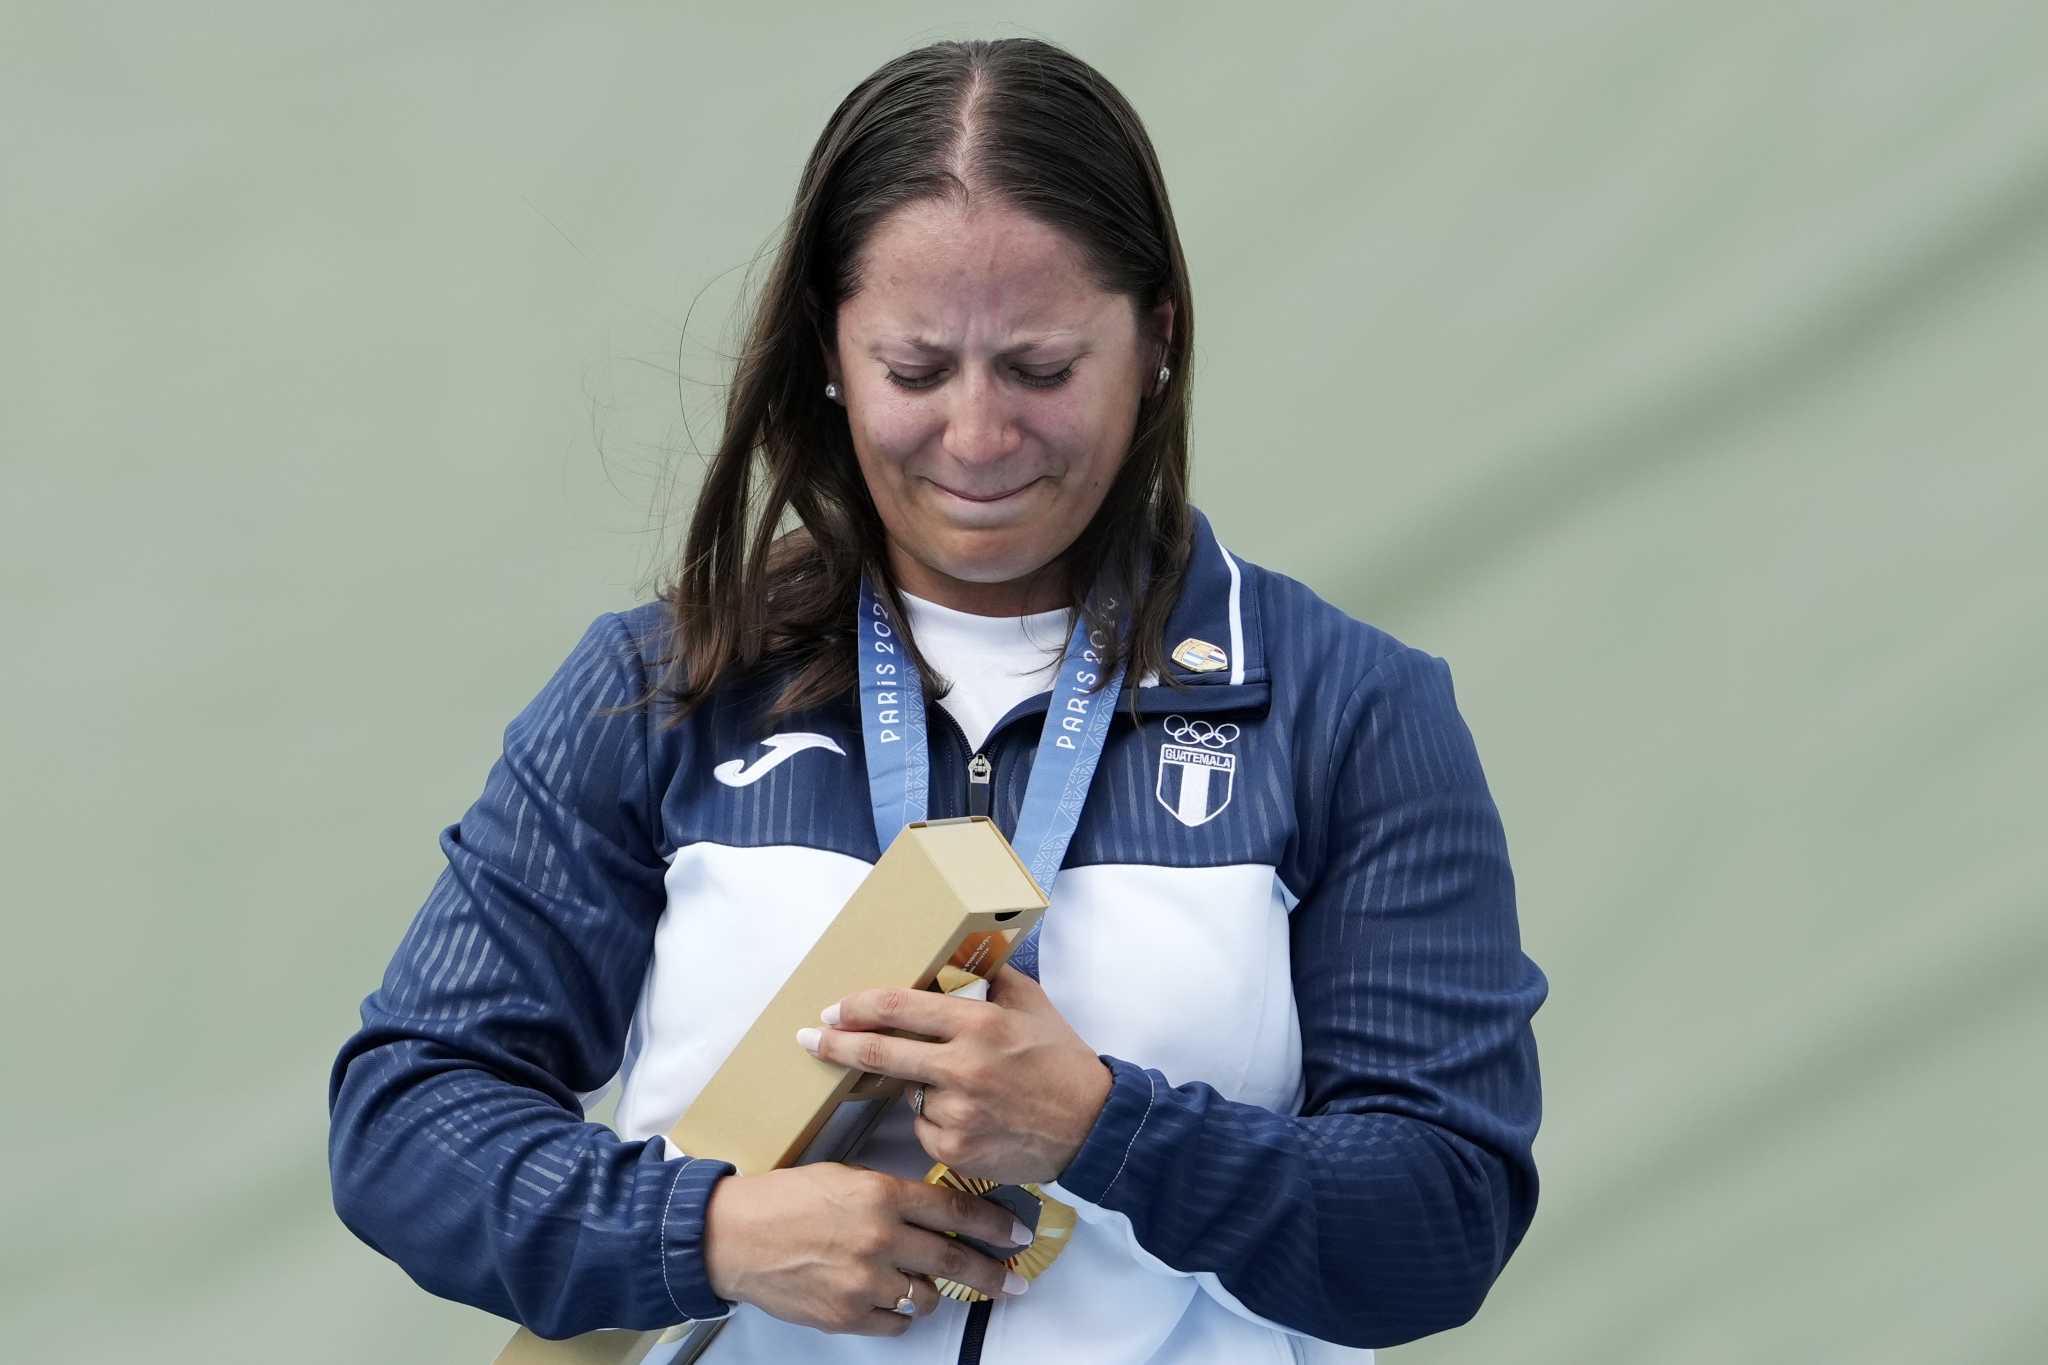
1162 327
830 355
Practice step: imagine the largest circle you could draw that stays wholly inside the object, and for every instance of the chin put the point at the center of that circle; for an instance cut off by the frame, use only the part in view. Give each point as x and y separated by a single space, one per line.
988 557
983 569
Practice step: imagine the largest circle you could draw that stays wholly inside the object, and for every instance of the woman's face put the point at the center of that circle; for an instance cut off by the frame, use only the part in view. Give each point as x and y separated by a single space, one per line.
991 390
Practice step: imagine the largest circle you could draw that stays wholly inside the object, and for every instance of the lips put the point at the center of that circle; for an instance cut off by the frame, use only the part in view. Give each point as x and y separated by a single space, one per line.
966 496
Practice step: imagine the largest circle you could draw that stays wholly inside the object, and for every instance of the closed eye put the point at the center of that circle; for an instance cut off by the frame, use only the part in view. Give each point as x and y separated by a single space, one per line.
917 382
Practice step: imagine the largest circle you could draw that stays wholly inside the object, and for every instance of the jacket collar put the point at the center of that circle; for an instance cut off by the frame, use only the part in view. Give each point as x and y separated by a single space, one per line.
1217 606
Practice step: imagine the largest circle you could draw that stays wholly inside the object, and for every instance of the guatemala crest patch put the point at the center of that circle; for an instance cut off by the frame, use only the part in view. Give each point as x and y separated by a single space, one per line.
1199 656
1195 775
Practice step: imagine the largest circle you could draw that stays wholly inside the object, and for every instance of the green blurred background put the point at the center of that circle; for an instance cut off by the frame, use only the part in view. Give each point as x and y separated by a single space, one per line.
1674 370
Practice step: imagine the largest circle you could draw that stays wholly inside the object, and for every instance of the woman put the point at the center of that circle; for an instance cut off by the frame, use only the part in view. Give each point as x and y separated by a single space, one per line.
1273 1045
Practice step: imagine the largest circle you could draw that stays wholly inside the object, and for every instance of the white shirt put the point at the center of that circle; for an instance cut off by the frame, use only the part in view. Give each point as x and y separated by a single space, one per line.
993 662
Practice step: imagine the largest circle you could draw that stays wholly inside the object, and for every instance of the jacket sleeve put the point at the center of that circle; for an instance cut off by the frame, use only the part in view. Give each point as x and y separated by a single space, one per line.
458 1145
1386 1208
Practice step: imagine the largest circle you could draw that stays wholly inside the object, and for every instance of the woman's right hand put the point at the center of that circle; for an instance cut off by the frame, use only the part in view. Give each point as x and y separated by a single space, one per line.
834 1247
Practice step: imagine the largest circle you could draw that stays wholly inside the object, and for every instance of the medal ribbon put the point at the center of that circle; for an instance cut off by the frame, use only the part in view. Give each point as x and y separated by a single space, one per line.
892 723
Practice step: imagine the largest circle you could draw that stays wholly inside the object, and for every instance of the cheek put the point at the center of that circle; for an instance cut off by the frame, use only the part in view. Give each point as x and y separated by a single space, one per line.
1075 432
1100 443
891 432
882 454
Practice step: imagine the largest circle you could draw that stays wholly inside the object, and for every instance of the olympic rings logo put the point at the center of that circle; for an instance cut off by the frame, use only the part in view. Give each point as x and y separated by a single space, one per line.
1181 730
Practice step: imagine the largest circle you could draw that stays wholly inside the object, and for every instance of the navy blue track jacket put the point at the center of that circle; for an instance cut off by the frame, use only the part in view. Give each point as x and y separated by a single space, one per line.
1286 921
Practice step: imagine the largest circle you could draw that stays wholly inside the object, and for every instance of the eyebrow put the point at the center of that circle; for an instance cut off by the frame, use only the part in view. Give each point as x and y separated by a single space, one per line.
929 347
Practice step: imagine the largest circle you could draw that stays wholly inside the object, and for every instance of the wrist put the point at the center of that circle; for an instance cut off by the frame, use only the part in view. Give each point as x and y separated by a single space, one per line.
722 1240
1104 1081
1107 1152
1094 1091
682 1235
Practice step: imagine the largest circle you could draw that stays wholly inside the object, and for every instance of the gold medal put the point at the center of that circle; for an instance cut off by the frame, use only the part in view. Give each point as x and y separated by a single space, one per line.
1052 1225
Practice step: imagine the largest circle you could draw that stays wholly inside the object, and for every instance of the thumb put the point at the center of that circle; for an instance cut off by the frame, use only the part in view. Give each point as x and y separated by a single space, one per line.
1014 990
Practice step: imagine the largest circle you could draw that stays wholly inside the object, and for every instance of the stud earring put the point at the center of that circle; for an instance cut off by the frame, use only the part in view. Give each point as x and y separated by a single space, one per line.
832 391
1163 372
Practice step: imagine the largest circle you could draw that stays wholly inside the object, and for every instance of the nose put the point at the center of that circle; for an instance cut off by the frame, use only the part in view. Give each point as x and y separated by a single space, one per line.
979 429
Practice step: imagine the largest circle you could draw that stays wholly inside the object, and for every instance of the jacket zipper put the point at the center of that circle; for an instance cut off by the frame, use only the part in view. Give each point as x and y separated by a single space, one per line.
981 773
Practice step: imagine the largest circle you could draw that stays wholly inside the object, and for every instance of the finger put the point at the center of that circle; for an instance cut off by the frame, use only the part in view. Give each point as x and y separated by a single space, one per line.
942 1209
891 1284
1009 978
928 1253
947 1145
938 1143
920 1288
881 1322
931 1014
1013 989
905 1058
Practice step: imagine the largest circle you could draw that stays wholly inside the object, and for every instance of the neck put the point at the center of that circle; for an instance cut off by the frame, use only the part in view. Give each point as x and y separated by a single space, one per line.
1042 590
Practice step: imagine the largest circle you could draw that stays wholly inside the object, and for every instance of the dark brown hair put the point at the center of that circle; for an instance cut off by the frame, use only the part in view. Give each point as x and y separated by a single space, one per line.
1014 121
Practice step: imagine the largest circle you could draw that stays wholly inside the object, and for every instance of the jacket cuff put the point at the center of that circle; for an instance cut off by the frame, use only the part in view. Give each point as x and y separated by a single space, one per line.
681 1237
1118 1129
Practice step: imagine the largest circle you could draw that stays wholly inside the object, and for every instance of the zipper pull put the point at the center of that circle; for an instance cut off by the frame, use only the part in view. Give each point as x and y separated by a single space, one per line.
979 771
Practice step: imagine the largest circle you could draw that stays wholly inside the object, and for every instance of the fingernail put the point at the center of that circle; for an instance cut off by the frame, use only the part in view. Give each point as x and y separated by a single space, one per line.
1019 1234
830 1014
807 1039
1013 1283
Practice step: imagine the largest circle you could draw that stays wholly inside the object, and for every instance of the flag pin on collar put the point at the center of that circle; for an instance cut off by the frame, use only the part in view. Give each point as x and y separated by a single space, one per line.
1199 656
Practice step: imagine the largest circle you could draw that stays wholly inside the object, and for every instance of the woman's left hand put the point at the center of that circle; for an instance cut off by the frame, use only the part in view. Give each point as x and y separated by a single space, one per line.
1011 1091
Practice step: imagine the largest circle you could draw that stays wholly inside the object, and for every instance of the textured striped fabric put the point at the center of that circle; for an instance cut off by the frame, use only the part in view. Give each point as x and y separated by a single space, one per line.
1386 1210
457 1142
1380 1209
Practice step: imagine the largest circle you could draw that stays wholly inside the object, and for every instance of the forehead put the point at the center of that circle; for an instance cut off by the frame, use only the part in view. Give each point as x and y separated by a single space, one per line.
931 270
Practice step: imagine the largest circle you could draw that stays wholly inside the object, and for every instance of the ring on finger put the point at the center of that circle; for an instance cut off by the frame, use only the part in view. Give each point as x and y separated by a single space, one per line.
907 1305
917 1101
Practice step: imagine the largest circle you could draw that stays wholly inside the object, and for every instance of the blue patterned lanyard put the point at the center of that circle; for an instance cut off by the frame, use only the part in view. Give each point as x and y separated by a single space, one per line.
892 725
